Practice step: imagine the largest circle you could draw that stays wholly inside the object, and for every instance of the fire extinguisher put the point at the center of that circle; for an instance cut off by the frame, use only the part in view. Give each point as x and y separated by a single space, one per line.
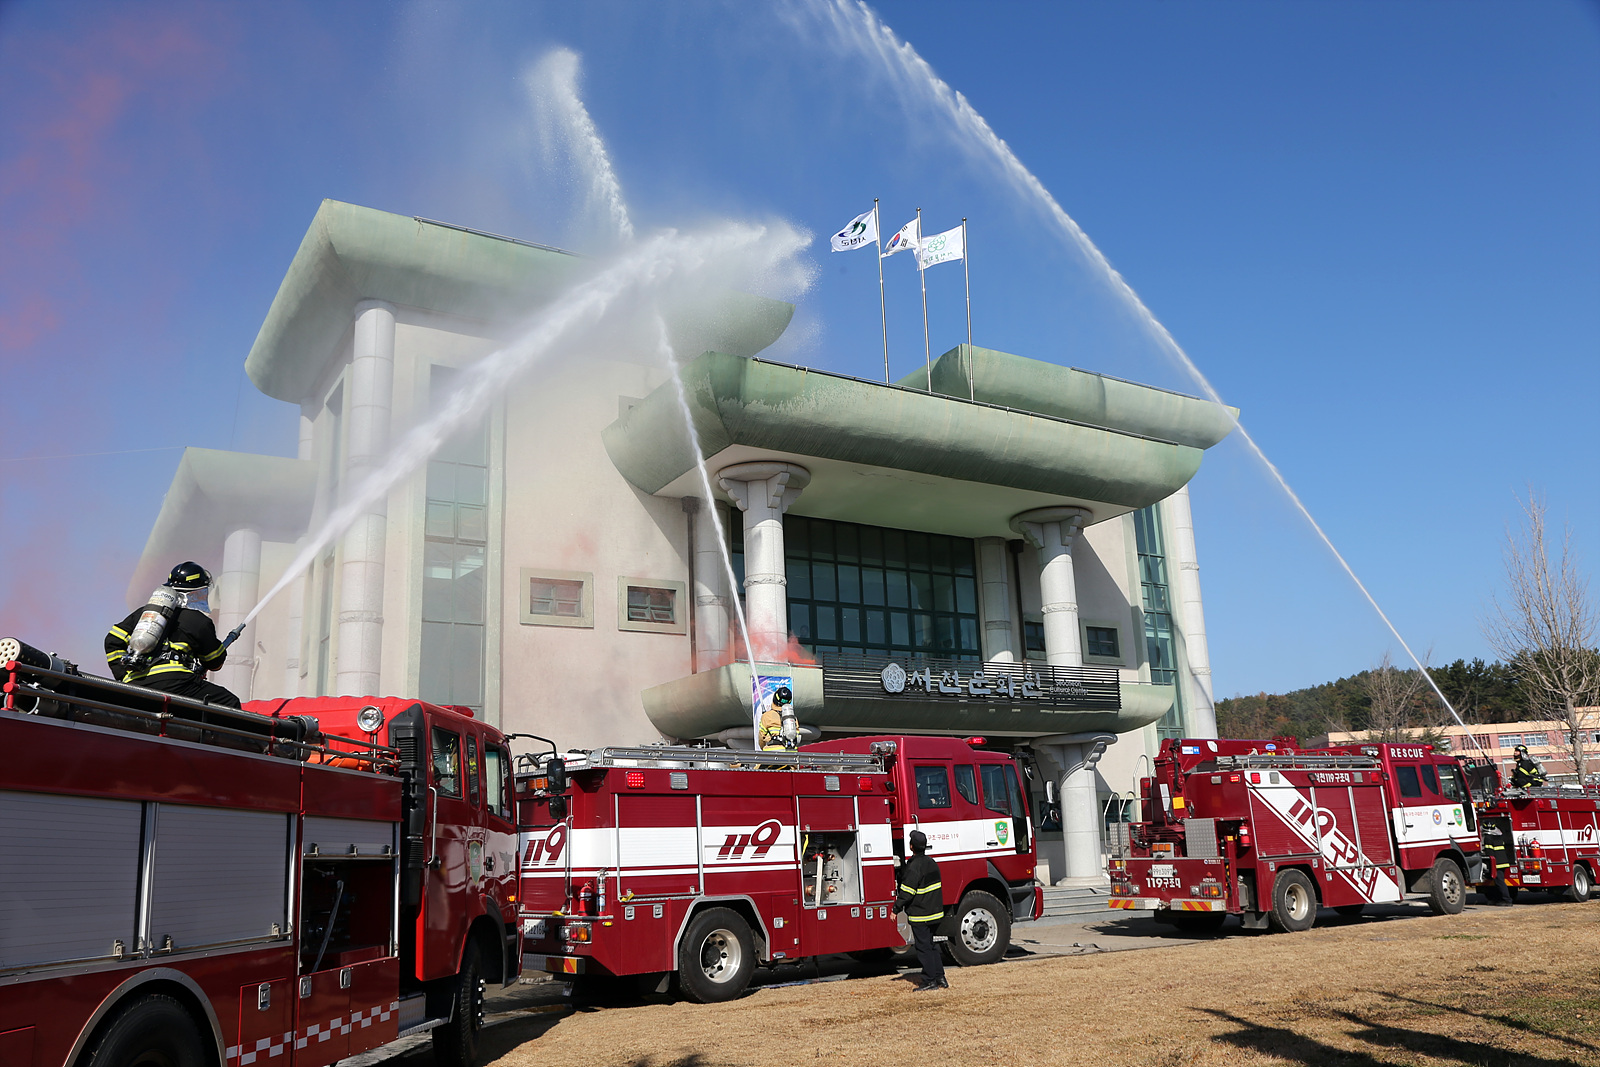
1536 850
586 899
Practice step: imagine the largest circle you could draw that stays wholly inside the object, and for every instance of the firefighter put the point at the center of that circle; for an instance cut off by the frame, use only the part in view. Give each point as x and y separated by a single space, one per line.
187 648
921 898
1528 772
774 737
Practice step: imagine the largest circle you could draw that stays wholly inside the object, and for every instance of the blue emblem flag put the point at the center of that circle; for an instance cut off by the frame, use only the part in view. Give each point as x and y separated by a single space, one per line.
862 231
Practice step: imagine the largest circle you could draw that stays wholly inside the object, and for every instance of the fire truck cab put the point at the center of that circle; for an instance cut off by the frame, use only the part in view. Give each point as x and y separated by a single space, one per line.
293 883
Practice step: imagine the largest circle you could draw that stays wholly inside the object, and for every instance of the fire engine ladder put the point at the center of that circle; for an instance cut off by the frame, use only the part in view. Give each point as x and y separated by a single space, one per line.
1280 762
1551 792
684 756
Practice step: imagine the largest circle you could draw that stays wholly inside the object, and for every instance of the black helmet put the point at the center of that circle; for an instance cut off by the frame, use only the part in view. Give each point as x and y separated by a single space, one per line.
919 841
189 576
781 696
1520 748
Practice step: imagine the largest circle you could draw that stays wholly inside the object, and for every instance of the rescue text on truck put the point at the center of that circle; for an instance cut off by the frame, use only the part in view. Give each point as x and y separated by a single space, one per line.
289 884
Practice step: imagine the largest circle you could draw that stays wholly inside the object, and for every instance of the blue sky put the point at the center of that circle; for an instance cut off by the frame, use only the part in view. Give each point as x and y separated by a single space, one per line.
1374 226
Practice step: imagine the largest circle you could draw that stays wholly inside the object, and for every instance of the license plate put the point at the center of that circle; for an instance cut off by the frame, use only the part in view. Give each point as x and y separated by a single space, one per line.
534 928
1163 870
1533 878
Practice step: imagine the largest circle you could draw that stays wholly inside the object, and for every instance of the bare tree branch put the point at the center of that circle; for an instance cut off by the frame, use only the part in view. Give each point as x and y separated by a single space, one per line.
1546 626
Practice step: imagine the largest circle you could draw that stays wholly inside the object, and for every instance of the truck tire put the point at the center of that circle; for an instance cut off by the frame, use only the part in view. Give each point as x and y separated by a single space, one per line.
716 957
1581 886
455 1044
1294 902
981 930
155 1030
1447 891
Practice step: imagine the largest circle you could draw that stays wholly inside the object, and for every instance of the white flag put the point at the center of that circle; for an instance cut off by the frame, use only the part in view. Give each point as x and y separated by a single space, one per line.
910 236
941 248
863 230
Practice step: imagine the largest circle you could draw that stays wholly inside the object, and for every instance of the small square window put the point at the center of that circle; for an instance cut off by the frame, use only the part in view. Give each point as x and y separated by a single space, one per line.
652 605
1033 635
557 598
1102 642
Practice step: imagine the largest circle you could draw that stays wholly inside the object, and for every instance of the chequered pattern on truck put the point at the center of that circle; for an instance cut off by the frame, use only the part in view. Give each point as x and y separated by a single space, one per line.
342 1025
265 1048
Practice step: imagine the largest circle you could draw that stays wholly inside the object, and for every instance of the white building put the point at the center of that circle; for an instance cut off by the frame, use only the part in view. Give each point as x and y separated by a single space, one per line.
557 569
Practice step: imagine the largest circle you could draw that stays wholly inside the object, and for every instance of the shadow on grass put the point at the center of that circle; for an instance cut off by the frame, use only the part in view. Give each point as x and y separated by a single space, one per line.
1289 1045
1508 1021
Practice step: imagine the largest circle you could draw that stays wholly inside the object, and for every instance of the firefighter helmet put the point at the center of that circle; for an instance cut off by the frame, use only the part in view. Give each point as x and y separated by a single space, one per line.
1522 749
919 841
189 576
782 696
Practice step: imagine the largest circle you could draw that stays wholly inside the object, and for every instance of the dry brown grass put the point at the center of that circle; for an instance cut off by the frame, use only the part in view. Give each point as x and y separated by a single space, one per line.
1514 989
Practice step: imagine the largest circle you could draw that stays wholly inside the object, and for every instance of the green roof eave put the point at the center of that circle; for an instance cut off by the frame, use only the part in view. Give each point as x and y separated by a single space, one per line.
1082 396
352 253
738 401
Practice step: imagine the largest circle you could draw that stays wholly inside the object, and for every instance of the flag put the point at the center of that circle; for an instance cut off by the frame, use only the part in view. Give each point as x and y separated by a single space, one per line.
910 236
941 248
863 230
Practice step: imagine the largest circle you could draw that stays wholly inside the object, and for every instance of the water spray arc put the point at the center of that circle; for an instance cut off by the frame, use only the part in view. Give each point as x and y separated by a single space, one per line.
859 26
553 85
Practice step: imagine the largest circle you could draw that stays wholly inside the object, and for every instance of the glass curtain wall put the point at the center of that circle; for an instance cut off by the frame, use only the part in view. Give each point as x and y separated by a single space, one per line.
1160 648
857 589
455 541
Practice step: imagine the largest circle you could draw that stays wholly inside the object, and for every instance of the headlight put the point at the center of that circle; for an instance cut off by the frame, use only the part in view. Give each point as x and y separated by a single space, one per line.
369 719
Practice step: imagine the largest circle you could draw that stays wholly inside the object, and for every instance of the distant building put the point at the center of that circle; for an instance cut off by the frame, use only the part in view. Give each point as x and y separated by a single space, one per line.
1548 742
1008 554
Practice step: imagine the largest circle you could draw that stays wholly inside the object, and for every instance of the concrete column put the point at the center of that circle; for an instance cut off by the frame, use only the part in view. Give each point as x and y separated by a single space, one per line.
238 588
1076 756
1202 714
1000 643
1052 531
307 435
710 591
764 491
369 392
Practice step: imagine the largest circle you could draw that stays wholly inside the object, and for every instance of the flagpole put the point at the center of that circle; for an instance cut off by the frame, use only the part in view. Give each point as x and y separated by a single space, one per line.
927 350
966 251
883 307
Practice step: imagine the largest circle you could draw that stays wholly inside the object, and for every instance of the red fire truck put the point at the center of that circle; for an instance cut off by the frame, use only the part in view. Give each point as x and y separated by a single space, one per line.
704 862
1544 838
1268 832
294 883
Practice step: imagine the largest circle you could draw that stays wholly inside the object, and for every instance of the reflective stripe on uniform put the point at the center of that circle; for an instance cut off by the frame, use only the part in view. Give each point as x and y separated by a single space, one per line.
159 668
112 657
925 889
209 656
119 632
935 917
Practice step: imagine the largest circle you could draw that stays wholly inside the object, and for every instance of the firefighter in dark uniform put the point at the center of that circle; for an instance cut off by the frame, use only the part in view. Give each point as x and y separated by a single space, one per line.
921 898
1528 772
188 648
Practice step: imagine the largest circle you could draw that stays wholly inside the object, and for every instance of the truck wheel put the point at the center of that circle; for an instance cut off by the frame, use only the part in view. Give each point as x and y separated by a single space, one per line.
716 957
1294 902
154 1030
455 1044
1579 890
1447 892
981 932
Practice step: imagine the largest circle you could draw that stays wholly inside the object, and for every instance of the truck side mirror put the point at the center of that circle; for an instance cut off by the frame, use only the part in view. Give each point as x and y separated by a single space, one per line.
558 808
555 769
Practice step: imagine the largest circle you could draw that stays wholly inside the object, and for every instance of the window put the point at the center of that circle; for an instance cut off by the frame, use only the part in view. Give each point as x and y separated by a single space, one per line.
1410 784
1160 648
473 791
966 785
1430 777
859 590
996 797
1102 641
497 780
447 762
1033 638
651 605
1450 785
455 554
553 596
933 787
557 598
